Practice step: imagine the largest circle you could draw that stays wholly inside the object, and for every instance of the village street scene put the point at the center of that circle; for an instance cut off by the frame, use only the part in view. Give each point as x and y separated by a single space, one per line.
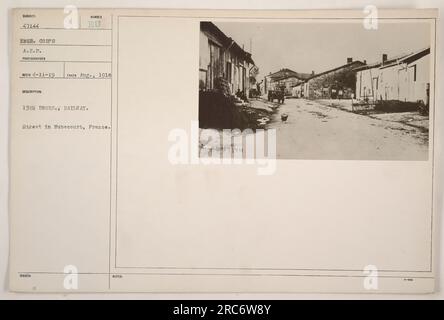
353 94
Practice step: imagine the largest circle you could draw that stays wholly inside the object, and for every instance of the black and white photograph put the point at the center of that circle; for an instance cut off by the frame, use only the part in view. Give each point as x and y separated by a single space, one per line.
332 90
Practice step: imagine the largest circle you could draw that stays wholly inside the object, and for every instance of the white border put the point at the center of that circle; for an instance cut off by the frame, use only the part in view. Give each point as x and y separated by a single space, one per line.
5 5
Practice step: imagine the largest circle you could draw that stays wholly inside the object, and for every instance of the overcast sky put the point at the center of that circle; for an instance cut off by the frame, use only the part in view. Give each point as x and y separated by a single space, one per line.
305 47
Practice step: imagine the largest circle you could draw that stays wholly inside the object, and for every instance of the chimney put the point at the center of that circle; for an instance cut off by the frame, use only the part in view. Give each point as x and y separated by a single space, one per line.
349 60
365 61
384 58
313 73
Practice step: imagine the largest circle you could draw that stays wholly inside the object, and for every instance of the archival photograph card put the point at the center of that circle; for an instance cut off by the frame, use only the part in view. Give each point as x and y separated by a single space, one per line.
223 150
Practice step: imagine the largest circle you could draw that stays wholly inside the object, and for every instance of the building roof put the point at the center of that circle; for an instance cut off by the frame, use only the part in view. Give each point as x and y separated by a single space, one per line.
404 58
288 73
358 63
226 41
409 58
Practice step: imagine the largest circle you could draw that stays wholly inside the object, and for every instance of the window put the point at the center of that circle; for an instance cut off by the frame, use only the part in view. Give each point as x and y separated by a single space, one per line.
414 72
228 71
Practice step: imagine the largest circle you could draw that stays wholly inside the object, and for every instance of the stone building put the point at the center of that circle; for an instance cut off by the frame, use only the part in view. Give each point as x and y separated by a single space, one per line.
222 60
284 79
337 83
404 78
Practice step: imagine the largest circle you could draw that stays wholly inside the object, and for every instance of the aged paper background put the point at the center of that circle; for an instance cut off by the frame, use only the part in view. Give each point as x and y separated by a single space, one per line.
140 229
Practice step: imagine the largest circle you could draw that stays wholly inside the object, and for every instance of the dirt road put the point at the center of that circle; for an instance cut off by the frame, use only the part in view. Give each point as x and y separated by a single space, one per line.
315 131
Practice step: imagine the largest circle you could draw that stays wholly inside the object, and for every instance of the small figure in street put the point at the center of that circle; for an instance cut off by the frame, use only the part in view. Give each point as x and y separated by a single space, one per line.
284 117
